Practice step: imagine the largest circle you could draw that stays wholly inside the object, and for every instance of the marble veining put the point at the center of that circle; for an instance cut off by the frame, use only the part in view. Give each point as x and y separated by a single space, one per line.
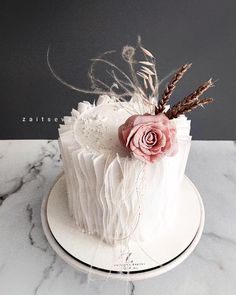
28 265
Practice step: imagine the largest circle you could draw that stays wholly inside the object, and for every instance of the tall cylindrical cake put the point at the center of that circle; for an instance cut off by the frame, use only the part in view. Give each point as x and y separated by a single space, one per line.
124 155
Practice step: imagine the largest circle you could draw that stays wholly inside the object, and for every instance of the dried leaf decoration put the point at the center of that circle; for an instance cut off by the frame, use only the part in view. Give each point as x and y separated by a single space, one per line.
141 81
191 101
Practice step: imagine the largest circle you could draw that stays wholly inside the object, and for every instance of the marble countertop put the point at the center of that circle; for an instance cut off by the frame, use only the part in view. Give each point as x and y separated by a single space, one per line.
28 265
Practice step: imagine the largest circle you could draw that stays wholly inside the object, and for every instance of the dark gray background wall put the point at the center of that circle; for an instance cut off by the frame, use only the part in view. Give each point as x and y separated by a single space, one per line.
201 32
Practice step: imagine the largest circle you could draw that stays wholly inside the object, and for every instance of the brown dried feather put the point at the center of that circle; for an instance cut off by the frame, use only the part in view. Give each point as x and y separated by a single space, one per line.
197 93
171 86
191 99
186 107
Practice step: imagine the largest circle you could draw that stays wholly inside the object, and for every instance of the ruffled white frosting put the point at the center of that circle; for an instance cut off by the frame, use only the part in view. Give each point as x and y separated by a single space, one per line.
110 194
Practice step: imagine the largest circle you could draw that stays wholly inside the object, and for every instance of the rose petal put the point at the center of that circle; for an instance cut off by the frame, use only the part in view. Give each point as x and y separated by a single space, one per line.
145 150
123 133
138 135
132 132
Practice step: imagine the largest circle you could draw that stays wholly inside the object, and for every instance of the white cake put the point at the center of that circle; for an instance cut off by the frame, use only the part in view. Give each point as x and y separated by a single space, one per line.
124 155
111 194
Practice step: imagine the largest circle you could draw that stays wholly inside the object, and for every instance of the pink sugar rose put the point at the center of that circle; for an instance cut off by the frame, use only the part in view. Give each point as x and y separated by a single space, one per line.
149 137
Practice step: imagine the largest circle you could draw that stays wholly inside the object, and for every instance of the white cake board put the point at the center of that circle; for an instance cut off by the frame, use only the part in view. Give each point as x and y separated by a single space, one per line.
139 260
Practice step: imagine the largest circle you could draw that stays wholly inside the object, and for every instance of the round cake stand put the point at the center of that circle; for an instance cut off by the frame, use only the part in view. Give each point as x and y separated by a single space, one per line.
127 261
